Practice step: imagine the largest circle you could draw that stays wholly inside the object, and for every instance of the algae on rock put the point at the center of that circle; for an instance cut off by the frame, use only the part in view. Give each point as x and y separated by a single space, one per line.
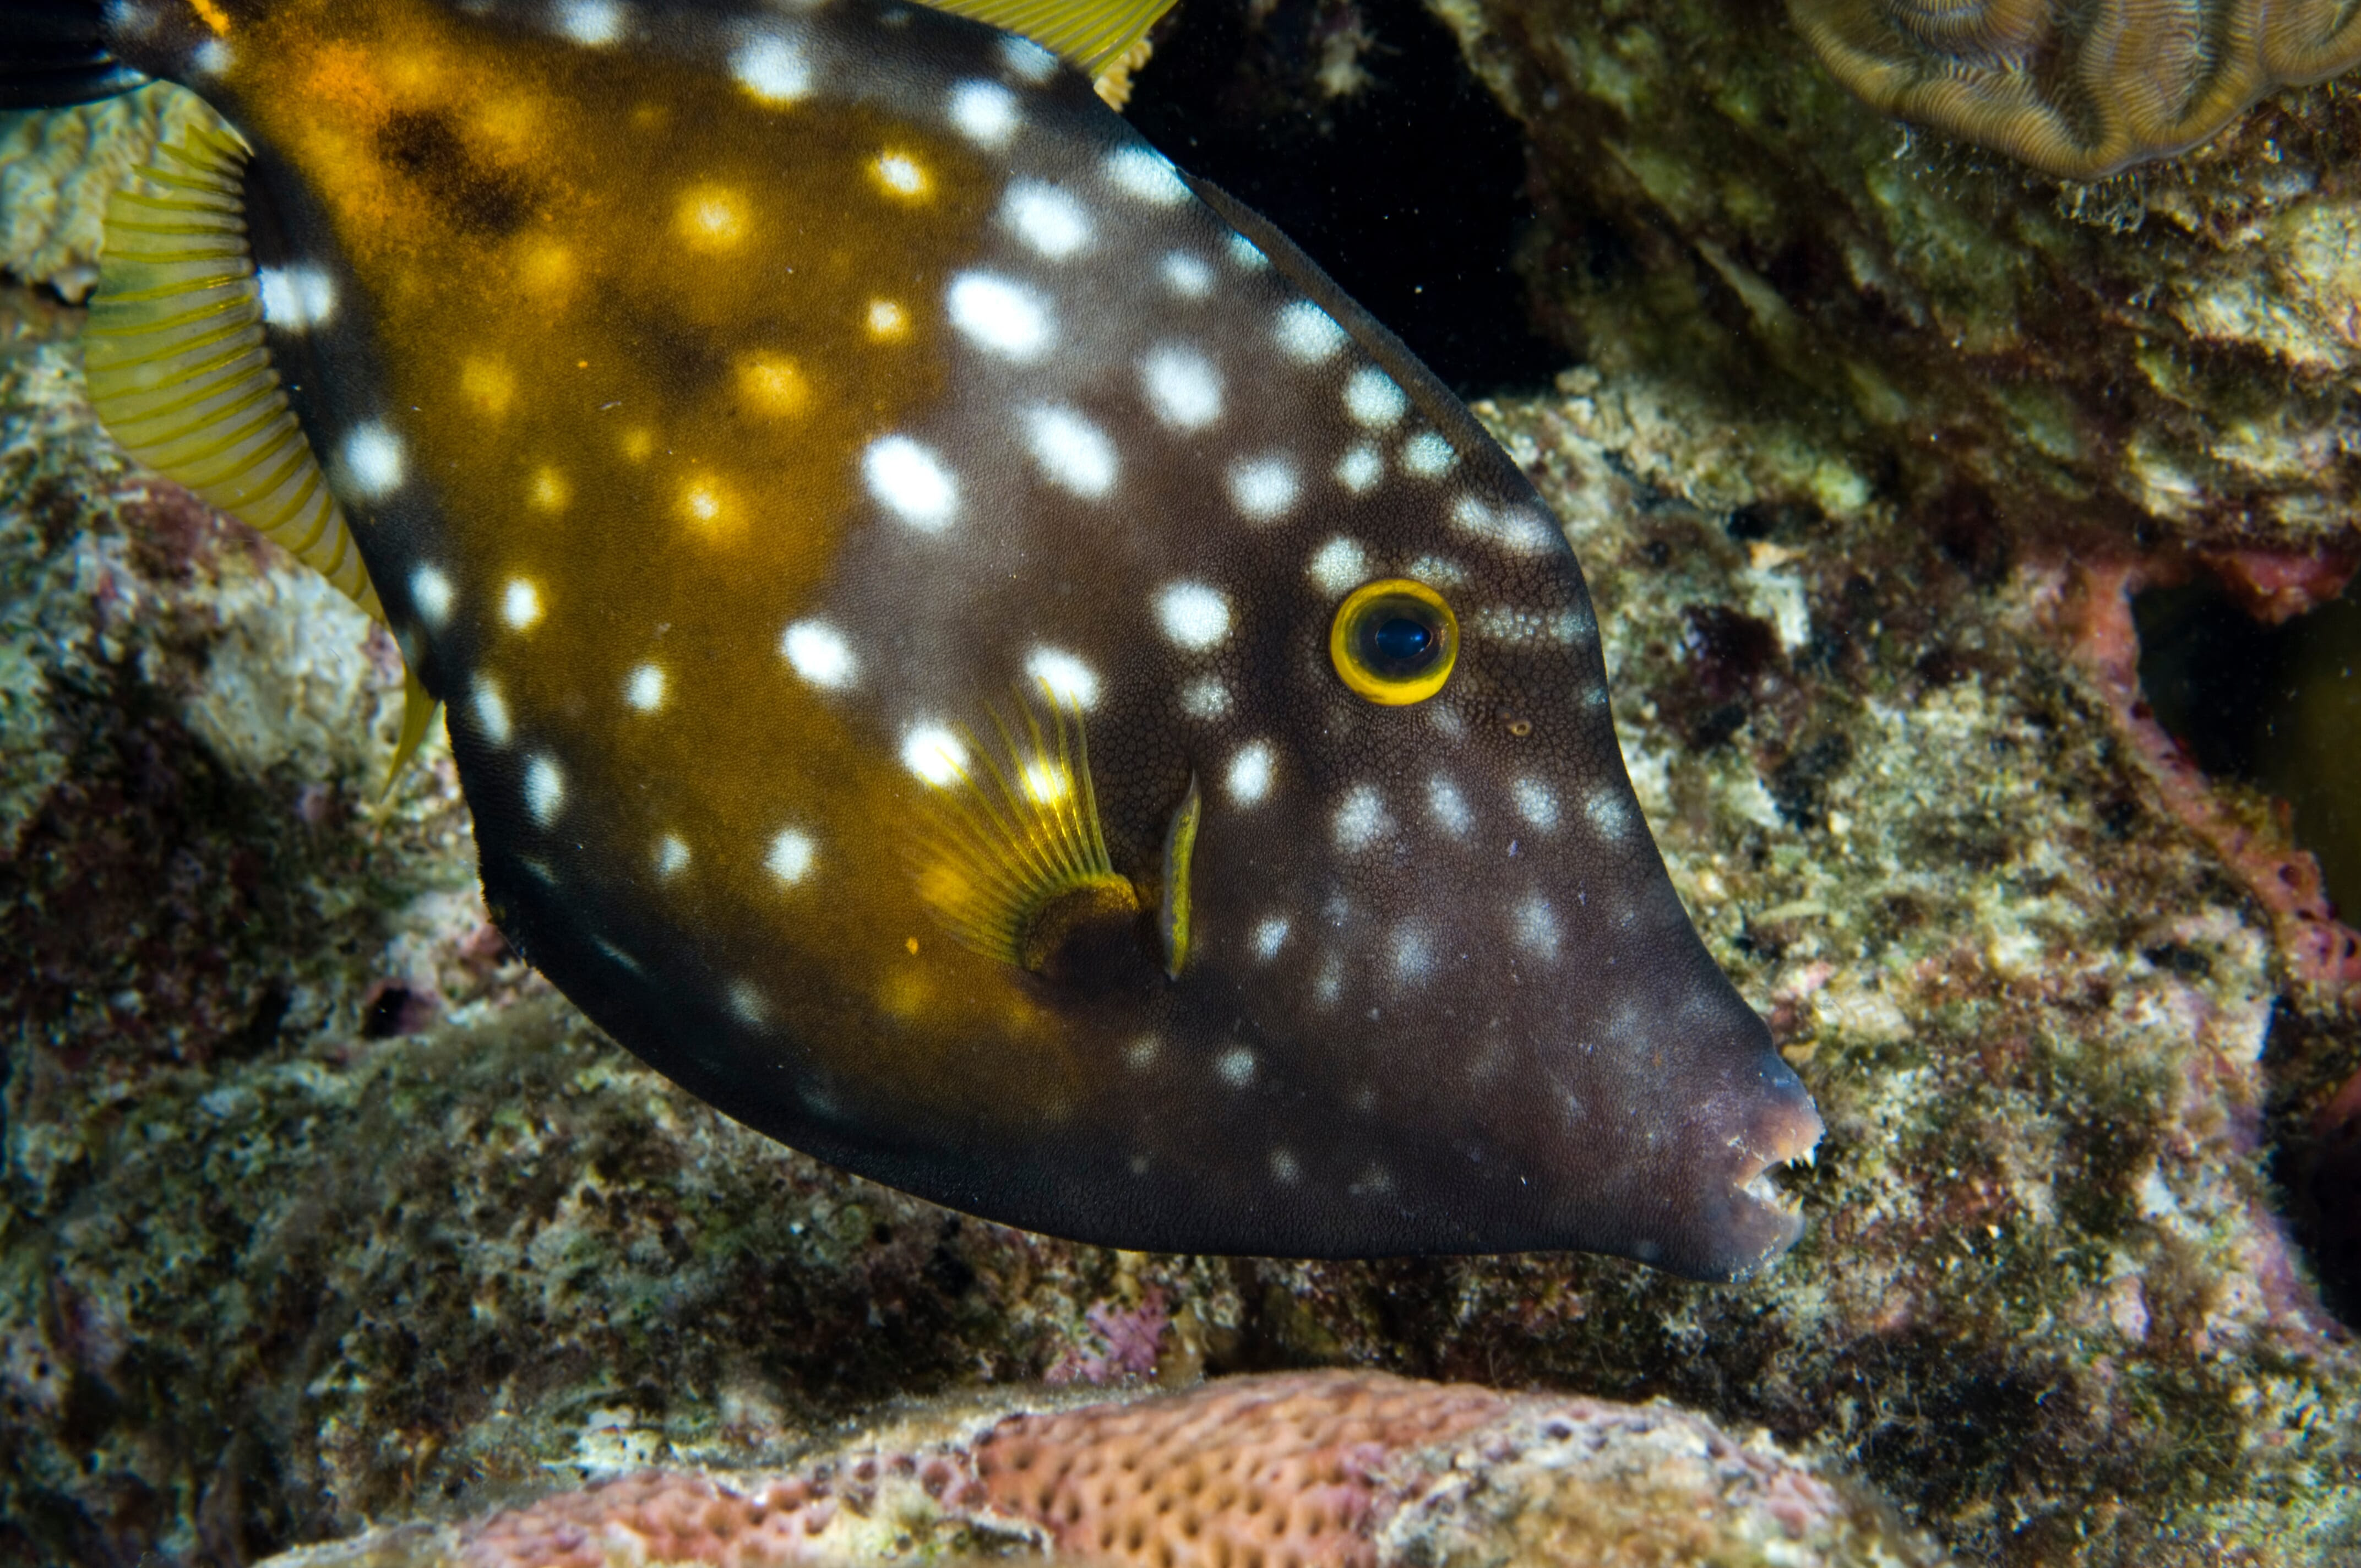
1880 317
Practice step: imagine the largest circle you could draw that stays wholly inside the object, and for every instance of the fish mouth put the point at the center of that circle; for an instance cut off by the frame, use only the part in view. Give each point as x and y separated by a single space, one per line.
1785 1134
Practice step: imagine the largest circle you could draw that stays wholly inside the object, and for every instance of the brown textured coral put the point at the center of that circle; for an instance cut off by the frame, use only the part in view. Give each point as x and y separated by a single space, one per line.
2080 90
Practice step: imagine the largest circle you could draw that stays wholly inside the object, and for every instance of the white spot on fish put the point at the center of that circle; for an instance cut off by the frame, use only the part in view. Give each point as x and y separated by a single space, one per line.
1432 569
1263 488
520 604
1246 253
1285 1168
772 68
1183 388
1536 802
1307 333
911 482
934 753
1004 318
985 112
899 173
1206 698
1235 1066
819 653
1428 455
1146 174
672 856
1068 679
1329 984
1027 61
1372 398
1361 818
1187 276
1141 1053
1339 565
790 856
432 592
1268 935
1360 468
491 711
593 22
1610 814
644 689
1413 953
749 1005
1536 927
1517 528
1251 771
1073 454
1192 615
1448 807
1045 218
375 460
211 58
544 789
296 298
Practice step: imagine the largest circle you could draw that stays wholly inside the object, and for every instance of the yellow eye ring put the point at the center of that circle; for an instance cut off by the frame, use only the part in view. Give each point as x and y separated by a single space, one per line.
1394 642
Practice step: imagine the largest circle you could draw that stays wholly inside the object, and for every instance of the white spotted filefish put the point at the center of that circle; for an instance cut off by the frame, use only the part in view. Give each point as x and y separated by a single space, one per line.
964 649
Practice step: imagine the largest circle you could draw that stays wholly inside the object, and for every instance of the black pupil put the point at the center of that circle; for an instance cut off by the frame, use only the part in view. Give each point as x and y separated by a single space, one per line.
1401 639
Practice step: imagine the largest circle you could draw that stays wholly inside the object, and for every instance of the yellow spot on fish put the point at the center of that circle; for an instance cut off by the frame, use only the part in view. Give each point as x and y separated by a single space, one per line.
772 384
712 218
550 490
548 270
639 443
489 384
212 15
901 175
889 322
906 994
912 944
708 506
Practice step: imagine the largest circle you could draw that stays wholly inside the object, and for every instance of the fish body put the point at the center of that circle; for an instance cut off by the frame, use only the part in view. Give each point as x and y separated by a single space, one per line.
964 649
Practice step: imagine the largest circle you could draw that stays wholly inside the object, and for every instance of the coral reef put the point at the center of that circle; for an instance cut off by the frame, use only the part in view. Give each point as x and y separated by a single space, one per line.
2079 91
1876 321
316 1210
1311 1470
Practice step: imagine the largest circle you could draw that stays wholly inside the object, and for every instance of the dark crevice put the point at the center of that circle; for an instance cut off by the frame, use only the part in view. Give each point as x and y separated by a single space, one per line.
1356 127
2278 708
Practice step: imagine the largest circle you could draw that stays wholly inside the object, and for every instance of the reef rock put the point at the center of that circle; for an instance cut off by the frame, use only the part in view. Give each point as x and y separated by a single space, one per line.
1882 321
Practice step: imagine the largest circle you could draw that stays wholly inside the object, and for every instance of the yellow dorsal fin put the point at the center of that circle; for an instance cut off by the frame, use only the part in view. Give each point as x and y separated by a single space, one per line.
180 376
1089 35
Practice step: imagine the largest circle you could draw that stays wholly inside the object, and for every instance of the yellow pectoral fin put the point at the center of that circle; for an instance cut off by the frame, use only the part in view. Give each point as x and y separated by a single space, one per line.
1090 35
1008 850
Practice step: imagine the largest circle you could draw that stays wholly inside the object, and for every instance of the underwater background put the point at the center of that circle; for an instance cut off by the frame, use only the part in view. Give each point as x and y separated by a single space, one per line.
1970 549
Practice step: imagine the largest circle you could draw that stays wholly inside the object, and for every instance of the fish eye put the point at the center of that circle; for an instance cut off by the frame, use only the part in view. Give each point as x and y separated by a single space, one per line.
1394 642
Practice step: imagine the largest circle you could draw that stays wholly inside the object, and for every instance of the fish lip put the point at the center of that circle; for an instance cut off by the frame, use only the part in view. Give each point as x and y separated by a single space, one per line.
1785 1130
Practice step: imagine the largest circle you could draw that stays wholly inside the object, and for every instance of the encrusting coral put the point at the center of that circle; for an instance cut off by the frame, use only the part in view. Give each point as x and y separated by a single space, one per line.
1307 1470
2079 91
